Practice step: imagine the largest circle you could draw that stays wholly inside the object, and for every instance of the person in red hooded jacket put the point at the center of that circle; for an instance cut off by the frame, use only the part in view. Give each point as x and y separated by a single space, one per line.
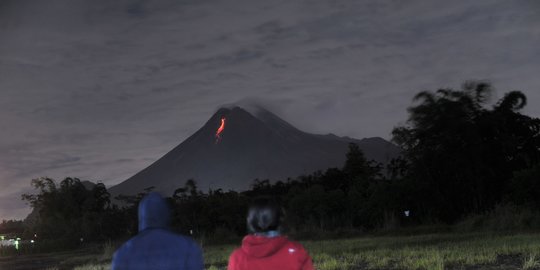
265 248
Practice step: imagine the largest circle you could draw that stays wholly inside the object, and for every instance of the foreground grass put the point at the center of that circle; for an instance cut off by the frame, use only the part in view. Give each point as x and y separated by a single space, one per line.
425 251
436 251
433 251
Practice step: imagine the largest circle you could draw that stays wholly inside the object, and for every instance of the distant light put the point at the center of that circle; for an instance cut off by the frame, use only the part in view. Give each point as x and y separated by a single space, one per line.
32 241
406 212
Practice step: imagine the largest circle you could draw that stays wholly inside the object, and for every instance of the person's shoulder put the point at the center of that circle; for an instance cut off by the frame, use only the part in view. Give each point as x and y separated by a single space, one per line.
166 236
236 251
236 256
295 247
127 244
294 243
186 241
157 232
183 238
301 255
122 253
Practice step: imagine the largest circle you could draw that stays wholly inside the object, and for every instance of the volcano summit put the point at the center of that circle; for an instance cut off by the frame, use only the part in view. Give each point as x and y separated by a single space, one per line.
237 146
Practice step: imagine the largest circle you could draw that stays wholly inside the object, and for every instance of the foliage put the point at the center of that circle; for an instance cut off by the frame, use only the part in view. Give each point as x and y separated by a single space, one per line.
460 154
503 218
69 211
11 227
524 188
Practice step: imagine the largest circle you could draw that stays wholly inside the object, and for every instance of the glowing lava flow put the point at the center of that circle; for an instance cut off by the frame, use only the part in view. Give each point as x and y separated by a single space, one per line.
220 129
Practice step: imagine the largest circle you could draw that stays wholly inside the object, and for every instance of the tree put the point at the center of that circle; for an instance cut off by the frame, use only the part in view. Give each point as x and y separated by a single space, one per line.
525 188
69 210
460 153
12 227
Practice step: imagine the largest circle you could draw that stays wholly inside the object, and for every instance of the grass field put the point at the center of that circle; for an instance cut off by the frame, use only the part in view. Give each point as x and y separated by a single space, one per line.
430 251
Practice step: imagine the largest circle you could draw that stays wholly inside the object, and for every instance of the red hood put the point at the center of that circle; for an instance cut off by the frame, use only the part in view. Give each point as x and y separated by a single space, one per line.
260 246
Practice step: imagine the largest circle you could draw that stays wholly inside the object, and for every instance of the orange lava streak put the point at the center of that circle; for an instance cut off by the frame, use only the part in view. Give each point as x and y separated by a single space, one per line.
220 129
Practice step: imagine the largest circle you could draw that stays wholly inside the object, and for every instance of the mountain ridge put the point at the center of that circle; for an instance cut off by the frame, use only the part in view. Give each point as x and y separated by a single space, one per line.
252 145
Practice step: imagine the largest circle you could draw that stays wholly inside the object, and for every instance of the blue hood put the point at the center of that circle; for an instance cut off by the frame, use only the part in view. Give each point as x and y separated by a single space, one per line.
154 212
155 247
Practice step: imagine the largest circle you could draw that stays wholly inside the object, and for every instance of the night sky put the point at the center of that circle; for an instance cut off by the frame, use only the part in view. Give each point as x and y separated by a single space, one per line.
99 89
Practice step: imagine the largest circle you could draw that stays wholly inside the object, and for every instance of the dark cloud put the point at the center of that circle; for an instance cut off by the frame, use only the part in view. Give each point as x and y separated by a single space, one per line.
101 89
136 8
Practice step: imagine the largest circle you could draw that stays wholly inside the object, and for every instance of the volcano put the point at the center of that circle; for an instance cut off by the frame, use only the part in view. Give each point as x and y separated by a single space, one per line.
237 146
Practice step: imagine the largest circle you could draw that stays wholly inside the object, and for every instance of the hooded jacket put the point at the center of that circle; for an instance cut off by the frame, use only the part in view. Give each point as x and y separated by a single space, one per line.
155 247
269 253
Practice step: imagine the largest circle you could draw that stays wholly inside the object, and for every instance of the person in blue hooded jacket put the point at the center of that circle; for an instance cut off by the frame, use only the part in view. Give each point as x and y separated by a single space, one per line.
156 247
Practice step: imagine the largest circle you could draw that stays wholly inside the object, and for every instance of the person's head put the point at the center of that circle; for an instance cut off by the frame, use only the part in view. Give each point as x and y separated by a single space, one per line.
154 212
264 215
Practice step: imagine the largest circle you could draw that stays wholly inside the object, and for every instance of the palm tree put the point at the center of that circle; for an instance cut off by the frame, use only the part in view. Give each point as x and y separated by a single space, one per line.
461 152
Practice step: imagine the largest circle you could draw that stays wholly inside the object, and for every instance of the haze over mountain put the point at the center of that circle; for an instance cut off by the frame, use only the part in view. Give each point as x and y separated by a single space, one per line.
252 144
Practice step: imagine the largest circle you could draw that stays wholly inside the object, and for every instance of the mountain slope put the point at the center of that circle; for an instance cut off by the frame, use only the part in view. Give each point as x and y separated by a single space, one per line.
250 145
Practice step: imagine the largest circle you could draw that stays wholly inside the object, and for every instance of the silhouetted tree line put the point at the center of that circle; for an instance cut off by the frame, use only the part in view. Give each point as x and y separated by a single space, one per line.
71 210
11 227
460 156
